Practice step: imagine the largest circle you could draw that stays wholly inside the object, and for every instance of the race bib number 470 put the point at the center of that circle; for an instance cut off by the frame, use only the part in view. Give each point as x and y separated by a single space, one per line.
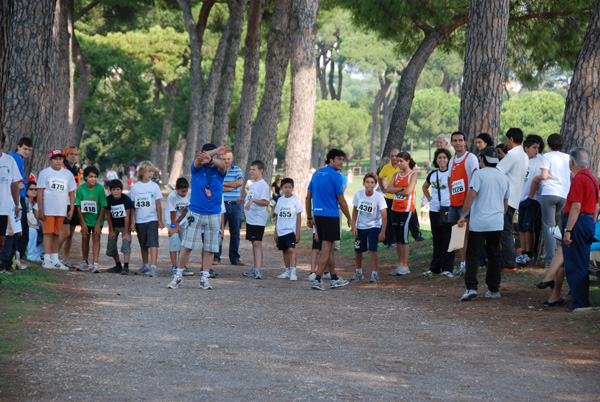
458 186
142 201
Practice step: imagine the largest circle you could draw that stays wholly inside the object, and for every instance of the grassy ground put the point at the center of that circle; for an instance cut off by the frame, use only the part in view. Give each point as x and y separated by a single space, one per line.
22 294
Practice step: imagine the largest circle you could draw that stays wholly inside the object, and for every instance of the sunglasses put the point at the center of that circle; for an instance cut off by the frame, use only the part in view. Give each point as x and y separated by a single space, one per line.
32 189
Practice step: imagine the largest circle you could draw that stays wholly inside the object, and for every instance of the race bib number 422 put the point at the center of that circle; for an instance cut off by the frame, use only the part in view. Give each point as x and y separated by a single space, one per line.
142 201
458 186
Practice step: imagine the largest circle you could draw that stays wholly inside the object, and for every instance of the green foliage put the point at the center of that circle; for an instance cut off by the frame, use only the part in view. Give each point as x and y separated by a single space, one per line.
433 112
538 113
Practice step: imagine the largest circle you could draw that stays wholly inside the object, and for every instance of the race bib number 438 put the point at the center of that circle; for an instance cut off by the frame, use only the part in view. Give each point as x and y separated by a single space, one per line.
458 186
142 201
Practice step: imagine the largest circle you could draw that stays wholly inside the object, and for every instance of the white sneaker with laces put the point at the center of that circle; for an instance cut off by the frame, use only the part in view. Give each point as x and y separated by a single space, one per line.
95 268
48 265
469 295
293 276
258 274
326 275
285 275
83 266
60 266
492 295
312 276
204 282
175 282
462 268
403 270
448 274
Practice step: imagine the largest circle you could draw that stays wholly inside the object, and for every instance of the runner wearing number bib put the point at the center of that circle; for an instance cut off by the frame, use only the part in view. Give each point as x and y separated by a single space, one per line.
90 202
369 219
118 215
177 208
403 187
461 166
288 214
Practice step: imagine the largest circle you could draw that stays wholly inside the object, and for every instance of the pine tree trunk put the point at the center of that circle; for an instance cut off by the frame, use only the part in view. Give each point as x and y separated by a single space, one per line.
225 94
332 91
177 165
375 108
581 122
485 58
386 115
322 74
264 132
84 70
39 79
243 130
163 158
6 21
303 28
408 81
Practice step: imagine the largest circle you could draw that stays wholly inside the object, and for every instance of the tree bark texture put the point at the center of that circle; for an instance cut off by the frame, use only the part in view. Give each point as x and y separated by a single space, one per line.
264 132
225 94
303 28
84 69
243 129
386 115
322 61
581 122
163 155
177 164
376 114
33 93
195 82
483 77
408 81
6 21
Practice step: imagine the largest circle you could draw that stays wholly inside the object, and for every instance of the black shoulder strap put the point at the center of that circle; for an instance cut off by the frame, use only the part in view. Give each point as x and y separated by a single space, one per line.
595 187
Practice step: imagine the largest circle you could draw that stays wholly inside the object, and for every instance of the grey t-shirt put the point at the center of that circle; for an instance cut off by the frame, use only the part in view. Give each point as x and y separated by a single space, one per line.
487 211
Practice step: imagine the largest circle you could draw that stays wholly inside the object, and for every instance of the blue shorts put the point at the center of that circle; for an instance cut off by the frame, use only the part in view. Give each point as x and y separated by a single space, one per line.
286 241
454 214
366 235
529 210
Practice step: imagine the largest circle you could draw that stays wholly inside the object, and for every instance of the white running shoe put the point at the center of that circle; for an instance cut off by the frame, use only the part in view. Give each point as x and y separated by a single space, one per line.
460 271
429 273
258 274
396 272
312 276
250 272
402 270
153 271
187 272
358 276
204 283
374 277
285 275
175 282
338 283
48 265
60 266
448 274
522 259
83 266
293 276
492 295
95 268
469 295
318 285
326 275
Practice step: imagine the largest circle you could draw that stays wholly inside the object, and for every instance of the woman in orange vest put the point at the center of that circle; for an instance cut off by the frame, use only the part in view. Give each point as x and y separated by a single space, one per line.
403 186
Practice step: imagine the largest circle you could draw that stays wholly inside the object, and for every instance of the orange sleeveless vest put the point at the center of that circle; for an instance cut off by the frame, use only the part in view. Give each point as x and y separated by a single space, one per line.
403 203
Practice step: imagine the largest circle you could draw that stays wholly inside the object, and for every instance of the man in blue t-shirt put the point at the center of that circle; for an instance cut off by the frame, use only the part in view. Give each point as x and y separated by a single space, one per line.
325 193
24 147
204 213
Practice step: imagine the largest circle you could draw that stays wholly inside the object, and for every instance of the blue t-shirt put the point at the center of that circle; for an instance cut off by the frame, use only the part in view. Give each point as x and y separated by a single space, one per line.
326 185
21 166
233 173
206 178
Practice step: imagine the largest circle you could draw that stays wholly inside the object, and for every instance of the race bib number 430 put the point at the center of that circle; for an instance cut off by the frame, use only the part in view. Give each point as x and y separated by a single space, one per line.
458 186
366 208
142 201
89 207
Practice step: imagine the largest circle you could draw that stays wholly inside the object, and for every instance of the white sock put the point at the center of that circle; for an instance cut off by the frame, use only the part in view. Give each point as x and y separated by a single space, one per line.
205 274
463 264
179 271
54 257
47 258
359 271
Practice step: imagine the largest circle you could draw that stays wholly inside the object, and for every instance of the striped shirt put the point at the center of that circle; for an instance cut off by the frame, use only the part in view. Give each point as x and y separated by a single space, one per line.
233 173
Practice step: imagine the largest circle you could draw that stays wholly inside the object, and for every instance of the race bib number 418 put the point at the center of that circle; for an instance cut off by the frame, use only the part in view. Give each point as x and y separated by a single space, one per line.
89 207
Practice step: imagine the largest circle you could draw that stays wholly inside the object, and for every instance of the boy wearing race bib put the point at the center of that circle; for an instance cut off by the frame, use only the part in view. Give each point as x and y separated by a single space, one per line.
369 220
90 202
147 218
177 208
56 190
255 208
118 216
288 215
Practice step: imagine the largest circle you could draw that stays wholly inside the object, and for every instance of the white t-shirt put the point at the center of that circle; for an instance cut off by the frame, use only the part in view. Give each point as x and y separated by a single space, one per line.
287 210
257 215
487 211
559 174
176 203
514 166
369 209
444 193
9 174
534 169
111 175
57 185
144 196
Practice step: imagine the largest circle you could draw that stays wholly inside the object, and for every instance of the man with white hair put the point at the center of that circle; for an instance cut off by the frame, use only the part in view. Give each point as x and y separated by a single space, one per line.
581 210
442 141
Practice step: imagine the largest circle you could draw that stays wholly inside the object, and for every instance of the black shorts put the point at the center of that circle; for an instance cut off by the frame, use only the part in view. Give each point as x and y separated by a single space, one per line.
400 223
147 234
74 221
328 228
286 241
254 232
316 245
3 224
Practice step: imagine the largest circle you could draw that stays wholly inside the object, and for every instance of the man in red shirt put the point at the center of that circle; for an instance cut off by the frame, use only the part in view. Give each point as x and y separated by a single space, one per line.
581 210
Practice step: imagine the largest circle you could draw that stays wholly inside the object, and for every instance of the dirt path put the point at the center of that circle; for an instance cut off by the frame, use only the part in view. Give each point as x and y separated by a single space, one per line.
129 338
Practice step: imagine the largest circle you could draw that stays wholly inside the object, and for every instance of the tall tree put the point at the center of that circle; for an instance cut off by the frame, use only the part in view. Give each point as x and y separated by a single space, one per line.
225 94
581 123
264 131
485 59
6 21
243 129
303 28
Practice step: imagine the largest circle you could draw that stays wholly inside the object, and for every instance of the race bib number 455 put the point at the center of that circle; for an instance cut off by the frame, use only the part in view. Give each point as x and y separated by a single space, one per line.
89 207
142 201
458 186
286 213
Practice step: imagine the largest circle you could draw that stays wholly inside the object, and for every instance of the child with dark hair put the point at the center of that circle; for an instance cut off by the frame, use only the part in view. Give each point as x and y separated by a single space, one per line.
177 208
288 215
90 202
119 217
35 248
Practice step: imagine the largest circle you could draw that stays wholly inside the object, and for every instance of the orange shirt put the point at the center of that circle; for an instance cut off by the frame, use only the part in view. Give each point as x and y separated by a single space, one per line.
459 181
403 203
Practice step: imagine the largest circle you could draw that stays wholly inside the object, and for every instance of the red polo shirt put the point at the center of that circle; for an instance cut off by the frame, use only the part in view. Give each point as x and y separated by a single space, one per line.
584 189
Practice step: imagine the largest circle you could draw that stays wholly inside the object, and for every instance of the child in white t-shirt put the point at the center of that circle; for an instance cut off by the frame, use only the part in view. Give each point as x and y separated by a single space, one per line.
288 215
146 197
255 209
369 219
177 207
56 190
